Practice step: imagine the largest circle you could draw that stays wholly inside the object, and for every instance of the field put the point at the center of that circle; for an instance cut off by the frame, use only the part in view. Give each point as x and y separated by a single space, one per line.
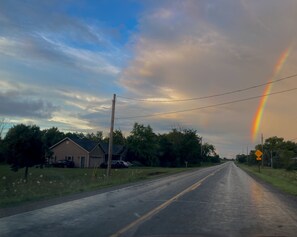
280 178
52 182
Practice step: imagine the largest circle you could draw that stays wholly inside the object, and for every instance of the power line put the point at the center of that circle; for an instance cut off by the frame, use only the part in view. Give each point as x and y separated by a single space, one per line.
211 96
208 106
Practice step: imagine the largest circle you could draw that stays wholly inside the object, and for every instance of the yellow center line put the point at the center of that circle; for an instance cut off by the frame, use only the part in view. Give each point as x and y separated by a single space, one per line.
162 206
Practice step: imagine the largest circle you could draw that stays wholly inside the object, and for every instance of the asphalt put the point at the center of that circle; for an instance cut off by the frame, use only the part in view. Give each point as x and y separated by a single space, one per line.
215 201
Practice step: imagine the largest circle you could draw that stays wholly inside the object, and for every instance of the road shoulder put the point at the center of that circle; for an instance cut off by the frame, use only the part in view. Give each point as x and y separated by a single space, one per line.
34 205
290 199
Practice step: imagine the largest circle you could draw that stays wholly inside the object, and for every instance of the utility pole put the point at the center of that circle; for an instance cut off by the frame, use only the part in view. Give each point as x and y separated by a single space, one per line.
201 150
262 150
271 160
247 154
111 136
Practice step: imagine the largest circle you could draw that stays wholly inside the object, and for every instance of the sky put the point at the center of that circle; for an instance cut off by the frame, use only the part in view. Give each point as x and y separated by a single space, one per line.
62 61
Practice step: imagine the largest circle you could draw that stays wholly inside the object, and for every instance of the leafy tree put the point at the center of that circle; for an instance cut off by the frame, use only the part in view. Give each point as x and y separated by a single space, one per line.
25 147
2 145
251 159
278 151
208 150
98 137
49 138
167 156
2 151
286 158
118 138
215 159
190 148
2 127
242 158
180 146
142 145
75 135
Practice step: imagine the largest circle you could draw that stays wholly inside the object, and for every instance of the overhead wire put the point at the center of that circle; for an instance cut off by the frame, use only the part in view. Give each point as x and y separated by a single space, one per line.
208 106
210 96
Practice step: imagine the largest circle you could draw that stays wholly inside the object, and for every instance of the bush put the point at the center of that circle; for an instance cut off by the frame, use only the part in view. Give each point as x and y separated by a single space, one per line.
291 167
215 159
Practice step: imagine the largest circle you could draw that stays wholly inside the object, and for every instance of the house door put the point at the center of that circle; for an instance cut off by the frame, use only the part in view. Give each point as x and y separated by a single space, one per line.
82 162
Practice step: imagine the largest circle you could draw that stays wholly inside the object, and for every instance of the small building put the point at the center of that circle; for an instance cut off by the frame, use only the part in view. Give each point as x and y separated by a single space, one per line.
84 152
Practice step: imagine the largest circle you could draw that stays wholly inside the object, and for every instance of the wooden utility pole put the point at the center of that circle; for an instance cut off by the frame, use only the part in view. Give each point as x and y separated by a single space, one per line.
262 150
111 136
247 154
201 150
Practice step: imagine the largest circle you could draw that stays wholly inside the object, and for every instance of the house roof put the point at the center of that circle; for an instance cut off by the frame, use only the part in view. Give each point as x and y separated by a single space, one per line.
85 143
116 149
89 145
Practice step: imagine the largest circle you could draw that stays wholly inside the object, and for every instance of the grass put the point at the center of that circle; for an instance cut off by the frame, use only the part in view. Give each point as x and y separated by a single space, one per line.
280 178
53 182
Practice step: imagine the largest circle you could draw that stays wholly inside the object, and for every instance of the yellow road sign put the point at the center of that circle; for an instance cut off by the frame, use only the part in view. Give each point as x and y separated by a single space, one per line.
258 158
258 153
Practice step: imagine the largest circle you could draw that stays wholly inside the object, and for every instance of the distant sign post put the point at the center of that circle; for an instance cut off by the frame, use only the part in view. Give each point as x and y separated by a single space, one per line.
259 154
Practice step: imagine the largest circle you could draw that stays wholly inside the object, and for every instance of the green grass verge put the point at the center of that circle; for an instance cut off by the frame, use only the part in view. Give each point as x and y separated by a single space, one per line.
54 182
280 178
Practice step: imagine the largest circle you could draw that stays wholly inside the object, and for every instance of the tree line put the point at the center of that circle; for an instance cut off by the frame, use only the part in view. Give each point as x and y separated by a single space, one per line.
277 153
24 146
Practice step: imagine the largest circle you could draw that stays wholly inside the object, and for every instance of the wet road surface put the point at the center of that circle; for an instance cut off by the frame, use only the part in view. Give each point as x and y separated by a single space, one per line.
215 201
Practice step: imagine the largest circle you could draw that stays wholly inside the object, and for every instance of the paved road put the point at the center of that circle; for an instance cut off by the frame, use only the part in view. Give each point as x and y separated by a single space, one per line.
215 201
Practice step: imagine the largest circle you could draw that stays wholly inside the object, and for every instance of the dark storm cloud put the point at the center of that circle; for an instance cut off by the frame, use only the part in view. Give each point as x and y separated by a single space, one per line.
11 105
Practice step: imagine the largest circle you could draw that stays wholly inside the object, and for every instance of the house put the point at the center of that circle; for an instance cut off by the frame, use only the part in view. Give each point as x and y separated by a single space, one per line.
84 152
118 151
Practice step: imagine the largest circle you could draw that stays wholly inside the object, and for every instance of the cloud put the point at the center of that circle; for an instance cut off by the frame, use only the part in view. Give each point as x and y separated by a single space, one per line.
40 31
179 49
194 51
24 18
188 49
11 105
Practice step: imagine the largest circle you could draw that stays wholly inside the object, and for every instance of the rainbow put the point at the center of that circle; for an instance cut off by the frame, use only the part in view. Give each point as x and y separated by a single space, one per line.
259 113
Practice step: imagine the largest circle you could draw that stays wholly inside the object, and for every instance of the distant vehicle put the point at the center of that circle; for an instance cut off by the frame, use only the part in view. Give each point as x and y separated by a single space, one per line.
128 163
64 164
115 164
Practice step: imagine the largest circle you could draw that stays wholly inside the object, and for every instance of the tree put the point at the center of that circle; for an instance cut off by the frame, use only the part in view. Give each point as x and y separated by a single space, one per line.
180 146
142 145
98 137
251 158
49 138
2 127
278 151
75 135
118 138
208 150
167 155
2 145
25 147
241 158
